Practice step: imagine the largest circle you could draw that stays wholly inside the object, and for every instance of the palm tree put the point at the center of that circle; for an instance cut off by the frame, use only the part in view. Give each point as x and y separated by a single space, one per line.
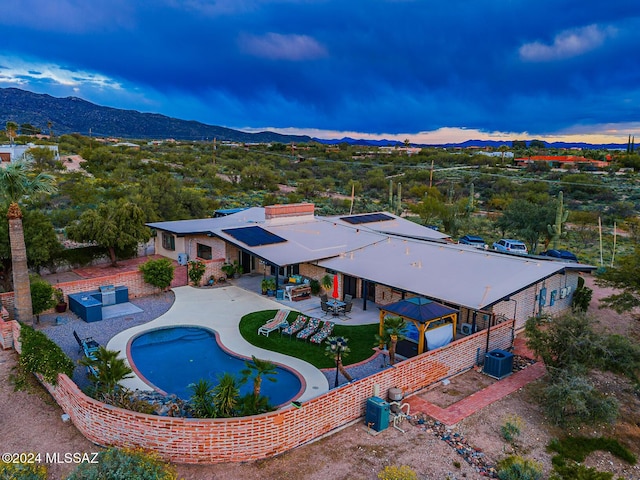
259 369
225 395
16 183
107 370
393 329
12 128
202 399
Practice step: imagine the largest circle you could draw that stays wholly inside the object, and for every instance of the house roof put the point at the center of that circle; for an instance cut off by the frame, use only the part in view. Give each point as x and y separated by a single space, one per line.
457 274
308 238
208 225
381 248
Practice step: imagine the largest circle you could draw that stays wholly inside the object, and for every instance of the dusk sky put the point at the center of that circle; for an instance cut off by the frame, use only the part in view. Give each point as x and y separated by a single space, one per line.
429 71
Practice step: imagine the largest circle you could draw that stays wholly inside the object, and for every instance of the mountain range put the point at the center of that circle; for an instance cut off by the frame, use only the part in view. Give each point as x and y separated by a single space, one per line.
75 115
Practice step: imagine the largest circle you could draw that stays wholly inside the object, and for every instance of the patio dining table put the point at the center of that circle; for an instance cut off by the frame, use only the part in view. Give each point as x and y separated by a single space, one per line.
335 306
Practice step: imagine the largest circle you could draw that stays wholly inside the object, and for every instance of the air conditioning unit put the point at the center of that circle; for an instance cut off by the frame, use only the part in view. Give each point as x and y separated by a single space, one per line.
183 259
498 364
563 292
466 328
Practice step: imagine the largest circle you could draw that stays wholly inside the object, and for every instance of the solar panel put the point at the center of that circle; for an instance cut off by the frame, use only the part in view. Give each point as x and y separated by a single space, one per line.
367 218
254 236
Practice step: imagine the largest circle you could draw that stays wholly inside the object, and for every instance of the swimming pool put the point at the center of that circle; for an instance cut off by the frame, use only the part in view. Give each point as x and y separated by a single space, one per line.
173 358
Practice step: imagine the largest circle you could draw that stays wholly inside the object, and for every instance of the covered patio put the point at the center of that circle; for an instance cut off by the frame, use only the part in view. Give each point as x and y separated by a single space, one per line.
432 325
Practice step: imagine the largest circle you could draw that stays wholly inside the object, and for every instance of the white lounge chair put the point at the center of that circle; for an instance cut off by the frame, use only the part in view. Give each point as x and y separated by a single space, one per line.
277 322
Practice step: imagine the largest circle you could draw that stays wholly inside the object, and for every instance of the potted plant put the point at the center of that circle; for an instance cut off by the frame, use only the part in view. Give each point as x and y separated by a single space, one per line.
229 269
271 286
264 285
315 286
327 282
61 305
237 269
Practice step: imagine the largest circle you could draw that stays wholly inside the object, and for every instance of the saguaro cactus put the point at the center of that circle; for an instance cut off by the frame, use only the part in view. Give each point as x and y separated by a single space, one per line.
555 230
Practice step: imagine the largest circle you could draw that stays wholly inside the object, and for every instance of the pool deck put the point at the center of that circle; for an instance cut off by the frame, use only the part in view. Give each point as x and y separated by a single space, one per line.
220 309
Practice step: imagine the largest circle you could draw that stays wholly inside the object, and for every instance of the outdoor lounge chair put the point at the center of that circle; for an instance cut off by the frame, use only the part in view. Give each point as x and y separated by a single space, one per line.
277 322
324 332
87 345
310 329
297 325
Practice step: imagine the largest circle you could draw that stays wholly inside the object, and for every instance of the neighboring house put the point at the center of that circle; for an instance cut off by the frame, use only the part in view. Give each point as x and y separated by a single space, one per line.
16 153
562 161
380 258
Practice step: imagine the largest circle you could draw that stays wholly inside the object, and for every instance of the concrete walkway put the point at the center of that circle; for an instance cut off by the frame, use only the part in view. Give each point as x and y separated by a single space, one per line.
220 309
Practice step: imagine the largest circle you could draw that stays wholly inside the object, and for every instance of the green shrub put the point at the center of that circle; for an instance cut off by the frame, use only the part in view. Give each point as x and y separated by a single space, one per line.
22 471
581 297
41 297
575 471
579 448
621 355
41 355
517 468
403 472
511 427
570 399
125 464
196 271
158 273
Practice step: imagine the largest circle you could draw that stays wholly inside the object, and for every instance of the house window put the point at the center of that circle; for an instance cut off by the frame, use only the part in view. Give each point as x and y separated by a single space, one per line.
204 251
168 241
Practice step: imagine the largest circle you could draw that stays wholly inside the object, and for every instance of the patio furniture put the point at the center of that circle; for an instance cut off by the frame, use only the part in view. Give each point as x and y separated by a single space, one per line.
297 325
277 322
346 309
323 333
87 345
325 308
348 298
335 306
324 297
310 329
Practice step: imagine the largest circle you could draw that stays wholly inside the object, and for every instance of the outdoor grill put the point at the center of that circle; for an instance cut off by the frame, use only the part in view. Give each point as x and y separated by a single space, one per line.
108 295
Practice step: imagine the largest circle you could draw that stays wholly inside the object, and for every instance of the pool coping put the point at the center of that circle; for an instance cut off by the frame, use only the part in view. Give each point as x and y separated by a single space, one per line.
216 339
220 310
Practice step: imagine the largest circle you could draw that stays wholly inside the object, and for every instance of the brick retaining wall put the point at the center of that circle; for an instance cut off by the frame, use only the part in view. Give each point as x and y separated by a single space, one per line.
131 279
187 440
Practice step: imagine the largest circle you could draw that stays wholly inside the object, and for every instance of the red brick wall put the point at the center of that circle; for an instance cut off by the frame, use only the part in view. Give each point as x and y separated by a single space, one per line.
131 279
6 334
186 440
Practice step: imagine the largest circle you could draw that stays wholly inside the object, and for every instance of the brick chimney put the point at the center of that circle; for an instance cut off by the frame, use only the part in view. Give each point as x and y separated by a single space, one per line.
290 210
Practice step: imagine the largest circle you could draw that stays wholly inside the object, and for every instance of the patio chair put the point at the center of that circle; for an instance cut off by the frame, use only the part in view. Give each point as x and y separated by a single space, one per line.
310 329
277 322
325 308
87 345
324 297
348 298
297 325
324 332
346 309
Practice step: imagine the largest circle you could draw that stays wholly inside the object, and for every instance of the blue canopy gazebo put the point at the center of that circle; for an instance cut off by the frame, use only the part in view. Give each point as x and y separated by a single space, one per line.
423 313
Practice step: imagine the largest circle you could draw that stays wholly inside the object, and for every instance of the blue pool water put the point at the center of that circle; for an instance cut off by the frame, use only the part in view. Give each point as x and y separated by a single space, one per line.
172 358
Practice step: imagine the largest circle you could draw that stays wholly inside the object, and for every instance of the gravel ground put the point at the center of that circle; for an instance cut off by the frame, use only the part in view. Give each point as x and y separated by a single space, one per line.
152 307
